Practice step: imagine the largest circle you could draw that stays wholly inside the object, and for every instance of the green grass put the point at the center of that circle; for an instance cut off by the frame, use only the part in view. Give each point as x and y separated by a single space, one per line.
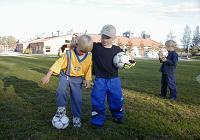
27 107
195 57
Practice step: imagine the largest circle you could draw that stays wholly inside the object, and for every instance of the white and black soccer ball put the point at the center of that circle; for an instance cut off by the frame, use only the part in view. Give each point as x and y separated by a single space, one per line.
163 53
120 59
60 122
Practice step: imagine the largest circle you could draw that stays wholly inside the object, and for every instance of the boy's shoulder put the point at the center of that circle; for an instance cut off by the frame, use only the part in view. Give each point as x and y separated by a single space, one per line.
115 46
174 52
96 44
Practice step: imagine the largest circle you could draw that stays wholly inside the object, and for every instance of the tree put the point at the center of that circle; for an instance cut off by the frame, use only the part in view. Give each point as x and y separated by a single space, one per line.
196 38
11 40
3 40
186 40
171 36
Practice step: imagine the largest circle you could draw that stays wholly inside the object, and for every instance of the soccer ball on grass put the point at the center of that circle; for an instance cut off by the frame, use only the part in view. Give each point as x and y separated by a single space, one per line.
60 122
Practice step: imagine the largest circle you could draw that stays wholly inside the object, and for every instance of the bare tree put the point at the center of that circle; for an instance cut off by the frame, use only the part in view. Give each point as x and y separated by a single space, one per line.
171 36
196 38
186 40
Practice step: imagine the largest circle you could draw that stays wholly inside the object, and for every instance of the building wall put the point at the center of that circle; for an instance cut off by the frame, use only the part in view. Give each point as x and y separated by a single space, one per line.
53 45
36 48
19 48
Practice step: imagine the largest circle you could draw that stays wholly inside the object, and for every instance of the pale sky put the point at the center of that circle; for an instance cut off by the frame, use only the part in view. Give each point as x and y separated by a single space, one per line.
26 19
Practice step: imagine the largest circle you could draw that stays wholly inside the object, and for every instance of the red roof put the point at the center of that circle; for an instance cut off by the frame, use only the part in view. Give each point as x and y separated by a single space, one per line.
136 41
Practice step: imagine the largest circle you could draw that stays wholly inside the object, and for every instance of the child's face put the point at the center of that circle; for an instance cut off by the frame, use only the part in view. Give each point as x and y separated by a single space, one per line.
80 52
170 48
106 40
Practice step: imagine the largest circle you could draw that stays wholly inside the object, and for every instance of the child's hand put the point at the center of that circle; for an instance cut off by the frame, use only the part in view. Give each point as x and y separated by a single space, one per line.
45 79
130 65
87 84
163 59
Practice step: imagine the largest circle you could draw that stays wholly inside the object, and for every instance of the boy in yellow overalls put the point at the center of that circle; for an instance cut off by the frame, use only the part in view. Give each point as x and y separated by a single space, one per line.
74 68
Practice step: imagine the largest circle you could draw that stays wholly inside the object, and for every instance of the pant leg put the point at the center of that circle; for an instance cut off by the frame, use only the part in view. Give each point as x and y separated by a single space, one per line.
172 86
164 85
61 92
76 84
115 98
98 96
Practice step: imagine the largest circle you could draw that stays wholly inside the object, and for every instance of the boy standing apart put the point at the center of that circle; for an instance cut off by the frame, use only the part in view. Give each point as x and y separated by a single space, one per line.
106 83
73 68
168 68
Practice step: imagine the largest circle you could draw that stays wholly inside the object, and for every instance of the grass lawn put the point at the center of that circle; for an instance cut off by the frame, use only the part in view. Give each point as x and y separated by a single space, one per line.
27 107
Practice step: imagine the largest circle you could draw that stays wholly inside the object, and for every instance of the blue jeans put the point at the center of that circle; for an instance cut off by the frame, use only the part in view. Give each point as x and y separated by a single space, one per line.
168 81
73 86
112 89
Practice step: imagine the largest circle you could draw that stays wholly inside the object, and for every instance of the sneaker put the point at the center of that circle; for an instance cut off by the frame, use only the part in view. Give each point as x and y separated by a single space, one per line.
76 122
173 99
163 97
61 111
95 126
118 120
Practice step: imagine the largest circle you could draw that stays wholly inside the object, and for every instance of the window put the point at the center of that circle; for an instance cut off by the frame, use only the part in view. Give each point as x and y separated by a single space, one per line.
48 48
67 41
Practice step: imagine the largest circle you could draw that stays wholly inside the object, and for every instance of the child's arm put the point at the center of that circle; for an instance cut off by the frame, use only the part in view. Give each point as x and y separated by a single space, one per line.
61 63
171 61
88 76
46 78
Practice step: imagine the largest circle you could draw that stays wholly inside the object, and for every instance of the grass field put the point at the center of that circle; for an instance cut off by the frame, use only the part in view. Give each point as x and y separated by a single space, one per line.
27 107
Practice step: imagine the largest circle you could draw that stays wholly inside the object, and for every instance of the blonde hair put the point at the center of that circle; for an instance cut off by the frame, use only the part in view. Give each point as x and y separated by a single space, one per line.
170 43
85 43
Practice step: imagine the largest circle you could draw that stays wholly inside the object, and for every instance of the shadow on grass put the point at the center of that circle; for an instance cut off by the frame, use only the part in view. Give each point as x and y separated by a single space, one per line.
25 106
23 88
40 70
28 91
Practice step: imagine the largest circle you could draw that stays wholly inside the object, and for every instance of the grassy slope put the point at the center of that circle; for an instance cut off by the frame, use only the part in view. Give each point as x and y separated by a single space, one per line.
27 107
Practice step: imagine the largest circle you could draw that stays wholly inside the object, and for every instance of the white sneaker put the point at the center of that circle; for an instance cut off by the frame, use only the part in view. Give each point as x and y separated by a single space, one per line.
61 111
76 122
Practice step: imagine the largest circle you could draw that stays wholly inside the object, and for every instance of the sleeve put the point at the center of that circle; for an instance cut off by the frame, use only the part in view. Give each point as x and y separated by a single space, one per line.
88 74
120 49
60 64
173 61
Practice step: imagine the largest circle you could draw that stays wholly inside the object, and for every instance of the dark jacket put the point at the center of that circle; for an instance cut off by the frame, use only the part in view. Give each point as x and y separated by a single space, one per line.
169 67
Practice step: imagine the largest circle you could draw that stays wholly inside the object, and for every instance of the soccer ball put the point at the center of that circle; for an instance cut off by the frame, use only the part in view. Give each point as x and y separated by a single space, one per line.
120 59
60 122
163 53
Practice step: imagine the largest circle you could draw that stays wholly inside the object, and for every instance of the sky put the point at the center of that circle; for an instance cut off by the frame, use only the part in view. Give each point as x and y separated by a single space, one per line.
26 19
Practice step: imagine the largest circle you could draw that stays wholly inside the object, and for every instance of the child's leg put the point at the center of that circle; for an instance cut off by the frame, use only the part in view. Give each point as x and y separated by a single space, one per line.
61 95
115 98
172 86
98 102
76 84
164 85
61 92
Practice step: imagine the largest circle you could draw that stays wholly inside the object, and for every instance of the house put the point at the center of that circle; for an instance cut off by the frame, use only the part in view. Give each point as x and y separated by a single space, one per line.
49 45
140 47
128 34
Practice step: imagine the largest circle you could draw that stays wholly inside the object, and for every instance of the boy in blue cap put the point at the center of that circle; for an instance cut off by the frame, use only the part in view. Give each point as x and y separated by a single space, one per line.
106 83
